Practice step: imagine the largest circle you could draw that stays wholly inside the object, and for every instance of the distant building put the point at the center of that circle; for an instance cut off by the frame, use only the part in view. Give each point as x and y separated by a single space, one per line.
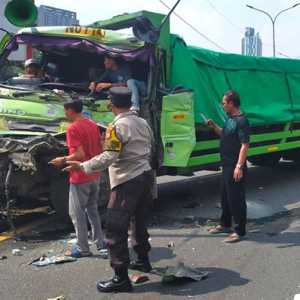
52 16
251 43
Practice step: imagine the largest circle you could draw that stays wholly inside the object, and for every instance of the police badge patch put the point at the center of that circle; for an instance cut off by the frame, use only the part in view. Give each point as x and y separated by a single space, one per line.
112 142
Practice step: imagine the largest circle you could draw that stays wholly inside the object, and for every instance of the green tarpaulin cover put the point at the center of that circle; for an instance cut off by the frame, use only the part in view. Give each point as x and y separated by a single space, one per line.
269 87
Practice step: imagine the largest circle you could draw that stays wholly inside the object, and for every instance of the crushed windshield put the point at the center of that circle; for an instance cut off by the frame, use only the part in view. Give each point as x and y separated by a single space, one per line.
69 64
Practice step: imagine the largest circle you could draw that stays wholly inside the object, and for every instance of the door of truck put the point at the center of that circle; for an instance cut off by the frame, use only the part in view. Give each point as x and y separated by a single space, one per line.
178 128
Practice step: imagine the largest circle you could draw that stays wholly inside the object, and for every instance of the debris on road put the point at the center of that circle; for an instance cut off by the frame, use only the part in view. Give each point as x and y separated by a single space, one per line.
138 278
171 245
182 273
16 252
40 258
62 297
56 259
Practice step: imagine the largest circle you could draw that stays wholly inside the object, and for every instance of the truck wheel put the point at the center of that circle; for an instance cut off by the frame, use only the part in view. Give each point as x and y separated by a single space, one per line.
59 197
265 160
293 155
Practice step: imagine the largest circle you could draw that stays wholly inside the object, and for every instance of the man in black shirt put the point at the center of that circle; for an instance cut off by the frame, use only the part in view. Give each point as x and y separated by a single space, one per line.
235 137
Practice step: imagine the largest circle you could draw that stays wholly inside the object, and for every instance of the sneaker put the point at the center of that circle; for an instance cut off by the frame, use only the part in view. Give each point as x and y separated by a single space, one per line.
115 285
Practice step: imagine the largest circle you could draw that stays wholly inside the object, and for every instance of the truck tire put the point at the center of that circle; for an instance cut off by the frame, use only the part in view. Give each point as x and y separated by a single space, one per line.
59 196
265 160
293 155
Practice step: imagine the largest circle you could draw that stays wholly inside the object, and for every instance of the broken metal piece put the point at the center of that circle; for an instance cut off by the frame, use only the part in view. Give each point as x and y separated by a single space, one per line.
16 252
61 297
171 244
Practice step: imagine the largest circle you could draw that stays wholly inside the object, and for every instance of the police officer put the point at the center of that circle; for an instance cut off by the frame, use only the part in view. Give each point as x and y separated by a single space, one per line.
127 152
235 136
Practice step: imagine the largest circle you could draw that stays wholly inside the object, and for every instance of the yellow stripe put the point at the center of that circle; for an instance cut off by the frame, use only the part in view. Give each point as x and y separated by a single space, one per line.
4 238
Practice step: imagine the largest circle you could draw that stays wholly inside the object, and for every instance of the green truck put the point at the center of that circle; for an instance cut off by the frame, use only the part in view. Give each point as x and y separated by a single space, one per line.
183 82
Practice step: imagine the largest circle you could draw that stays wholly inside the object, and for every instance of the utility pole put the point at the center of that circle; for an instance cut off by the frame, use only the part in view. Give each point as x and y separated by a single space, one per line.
273 20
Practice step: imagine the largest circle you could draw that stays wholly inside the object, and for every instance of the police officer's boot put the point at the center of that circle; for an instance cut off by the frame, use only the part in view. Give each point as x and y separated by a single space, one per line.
120 283
142 264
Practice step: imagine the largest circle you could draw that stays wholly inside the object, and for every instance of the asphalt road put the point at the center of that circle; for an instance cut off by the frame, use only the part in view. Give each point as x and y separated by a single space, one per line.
265 266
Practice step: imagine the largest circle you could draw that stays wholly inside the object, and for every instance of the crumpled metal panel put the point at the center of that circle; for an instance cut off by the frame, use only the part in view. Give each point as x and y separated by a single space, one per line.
22 152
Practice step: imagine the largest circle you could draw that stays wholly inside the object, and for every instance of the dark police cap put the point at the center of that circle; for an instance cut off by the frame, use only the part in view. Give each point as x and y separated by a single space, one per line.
120 96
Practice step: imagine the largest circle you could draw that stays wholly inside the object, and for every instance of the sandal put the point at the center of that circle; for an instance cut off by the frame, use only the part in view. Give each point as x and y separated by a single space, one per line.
76 253
219 229
232 238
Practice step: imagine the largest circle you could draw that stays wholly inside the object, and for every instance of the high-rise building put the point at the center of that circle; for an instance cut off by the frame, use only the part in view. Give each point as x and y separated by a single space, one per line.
251 43
52 16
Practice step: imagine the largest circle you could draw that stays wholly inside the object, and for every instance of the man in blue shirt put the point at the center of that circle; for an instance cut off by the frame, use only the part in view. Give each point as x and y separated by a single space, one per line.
235 137
119 75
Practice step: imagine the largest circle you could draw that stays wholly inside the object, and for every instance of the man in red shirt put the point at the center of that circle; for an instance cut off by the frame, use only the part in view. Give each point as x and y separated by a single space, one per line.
83 140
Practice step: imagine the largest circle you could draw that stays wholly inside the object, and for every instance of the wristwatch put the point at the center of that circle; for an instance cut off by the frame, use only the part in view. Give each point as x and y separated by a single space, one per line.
239 166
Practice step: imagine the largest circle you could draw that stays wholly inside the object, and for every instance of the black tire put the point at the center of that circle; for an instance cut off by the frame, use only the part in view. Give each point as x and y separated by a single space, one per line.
266 160
59 196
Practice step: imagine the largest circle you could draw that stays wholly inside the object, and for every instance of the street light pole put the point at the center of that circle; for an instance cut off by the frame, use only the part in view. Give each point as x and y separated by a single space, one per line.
273 20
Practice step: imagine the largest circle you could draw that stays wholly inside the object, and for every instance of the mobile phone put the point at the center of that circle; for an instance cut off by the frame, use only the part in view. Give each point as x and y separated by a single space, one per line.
204 118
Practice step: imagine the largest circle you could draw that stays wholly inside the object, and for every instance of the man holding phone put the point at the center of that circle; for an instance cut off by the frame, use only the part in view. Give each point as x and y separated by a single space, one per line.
235 137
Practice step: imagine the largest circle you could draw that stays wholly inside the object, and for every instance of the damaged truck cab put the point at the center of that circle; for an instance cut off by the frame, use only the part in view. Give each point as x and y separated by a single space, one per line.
32 120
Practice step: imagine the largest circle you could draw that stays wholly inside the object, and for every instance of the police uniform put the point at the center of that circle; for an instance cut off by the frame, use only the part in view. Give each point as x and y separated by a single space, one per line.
127 151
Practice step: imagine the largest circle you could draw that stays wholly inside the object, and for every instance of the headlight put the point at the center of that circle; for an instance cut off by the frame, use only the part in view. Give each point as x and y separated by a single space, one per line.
63 126
3 124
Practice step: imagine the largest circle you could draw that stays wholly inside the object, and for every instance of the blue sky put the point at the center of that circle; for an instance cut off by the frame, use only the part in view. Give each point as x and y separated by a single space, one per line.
223 21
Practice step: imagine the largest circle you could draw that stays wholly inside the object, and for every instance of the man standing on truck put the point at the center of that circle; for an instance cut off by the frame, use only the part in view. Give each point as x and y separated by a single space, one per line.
235 136
118 74
127 152
83 140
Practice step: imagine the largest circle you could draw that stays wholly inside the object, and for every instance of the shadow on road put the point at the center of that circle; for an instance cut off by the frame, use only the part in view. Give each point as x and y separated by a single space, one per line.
218 279
161 253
